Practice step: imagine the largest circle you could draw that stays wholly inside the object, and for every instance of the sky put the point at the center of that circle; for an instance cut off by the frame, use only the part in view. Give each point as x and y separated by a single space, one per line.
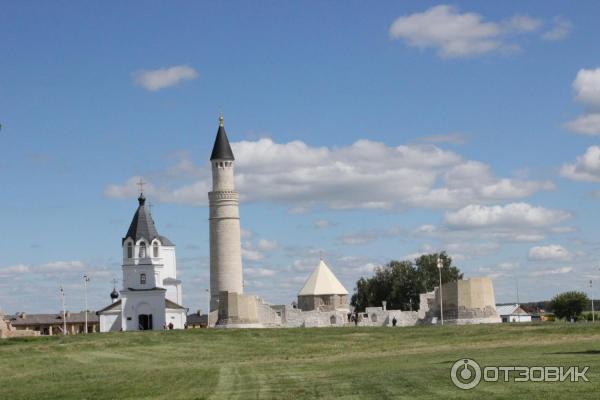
363 131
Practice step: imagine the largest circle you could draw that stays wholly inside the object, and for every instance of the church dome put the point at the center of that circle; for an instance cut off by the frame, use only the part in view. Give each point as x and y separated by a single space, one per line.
142 225
114 294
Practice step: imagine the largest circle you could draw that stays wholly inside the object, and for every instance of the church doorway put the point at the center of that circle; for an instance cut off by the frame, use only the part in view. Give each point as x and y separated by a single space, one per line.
145 322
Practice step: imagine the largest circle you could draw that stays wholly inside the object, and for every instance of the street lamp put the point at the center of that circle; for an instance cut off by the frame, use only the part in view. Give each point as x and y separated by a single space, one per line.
62 296
592 295
208 308
86 279
440 265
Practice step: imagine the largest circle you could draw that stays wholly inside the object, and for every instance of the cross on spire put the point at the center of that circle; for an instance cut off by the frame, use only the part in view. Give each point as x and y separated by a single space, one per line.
141 184
114 282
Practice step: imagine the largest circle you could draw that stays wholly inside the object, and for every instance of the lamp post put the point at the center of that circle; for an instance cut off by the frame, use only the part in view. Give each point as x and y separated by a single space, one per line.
208 308
86 279
440 265
592 295
64 312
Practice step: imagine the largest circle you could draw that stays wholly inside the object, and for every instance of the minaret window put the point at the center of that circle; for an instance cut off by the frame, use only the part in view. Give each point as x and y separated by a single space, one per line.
142 279
129 250
142 250
155 247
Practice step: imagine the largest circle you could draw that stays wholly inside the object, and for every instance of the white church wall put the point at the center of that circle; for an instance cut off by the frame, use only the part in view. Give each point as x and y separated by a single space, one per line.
169 262
136 303
177 317
132 276
173 293
110 321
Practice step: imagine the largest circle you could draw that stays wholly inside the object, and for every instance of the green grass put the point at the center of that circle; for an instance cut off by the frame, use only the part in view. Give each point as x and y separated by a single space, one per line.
348 363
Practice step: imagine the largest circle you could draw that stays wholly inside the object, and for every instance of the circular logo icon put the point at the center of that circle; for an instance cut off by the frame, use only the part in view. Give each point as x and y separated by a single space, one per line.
465 373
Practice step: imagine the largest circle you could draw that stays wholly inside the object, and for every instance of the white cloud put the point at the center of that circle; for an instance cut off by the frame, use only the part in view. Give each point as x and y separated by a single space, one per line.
322 223
366 236
62 266
364 175
12 270
510 215
551 252
587 91
532 237
557 271
585 168
267 245
259 272
559 31
522 23
467 250
586 124
456 34
587 86
164 77
251 254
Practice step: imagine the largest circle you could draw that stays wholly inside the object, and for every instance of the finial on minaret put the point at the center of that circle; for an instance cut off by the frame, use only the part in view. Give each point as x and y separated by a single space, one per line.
220 118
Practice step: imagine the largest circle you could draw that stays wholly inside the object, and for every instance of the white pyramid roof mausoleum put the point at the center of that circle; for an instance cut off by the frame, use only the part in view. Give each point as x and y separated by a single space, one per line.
322 282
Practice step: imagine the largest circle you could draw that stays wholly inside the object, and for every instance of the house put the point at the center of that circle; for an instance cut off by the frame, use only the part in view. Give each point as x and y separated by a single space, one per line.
513 313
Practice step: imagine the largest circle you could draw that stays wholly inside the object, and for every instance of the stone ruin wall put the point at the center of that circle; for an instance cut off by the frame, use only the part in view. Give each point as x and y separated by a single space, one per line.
469 301
8 331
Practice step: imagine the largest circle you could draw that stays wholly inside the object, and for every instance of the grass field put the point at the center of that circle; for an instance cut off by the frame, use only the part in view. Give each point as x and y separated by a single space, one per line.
348 363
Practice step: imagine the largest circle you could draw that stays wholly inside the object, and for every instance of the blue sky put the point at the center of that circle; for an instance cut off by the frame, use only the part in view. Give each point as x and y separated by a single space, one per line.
369 131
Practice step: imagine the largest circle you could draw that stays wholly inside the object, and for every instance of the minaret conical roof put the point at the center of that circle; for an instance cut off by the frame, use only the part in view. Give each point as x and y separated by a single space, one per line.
221 149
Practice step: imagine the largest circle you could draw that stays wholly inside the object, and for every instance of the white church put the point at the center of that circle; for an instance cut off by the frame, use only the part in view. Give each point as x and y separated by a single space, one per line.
151 295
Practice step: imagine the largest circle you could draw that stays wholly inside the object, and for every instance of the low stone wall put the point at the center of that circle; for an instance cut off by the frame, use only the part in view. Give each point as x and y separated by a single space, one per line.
295 318
377 316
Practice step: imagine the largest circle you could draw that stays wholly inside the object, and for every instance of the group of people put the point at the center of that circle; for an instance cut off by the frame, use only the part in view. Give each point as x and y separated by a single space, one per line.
169 326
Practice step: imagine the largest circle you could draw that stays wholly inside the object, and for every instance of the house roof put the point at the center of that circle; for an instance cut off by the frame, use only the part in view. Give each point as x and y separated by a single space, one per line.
172 305
195 319
510 309
142 226
50 319
221 149
322 281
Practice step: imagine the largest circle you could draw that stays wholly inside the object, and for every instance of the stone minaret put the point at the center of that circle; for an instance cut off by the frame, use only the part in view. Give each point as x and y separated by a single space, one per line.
225 243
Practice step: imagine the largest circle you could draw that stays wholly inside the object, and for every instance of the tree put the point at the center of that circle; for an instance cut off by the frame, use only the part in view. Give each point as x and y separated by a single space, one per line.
400 283
569 305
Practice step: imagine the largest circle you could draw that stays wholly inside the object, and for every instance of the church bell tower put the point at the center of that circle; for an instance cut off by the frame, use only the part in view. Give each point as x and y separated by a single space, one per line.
224 218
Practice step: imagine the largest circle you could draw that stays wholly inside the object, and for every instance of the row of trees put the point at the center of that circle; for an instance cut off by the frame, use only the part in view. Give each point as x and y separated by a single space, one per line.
400 282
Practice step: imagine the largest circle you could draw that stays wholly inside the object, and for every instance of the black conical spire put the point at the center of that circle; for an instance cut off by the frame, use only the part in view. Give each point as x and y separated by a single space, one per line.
221 149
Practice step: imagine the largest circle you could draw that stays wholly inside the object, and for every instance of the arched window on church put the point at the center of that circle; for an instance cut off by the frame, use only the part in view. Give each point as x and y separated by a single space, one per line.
142 250
129 250
142 279
155 248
